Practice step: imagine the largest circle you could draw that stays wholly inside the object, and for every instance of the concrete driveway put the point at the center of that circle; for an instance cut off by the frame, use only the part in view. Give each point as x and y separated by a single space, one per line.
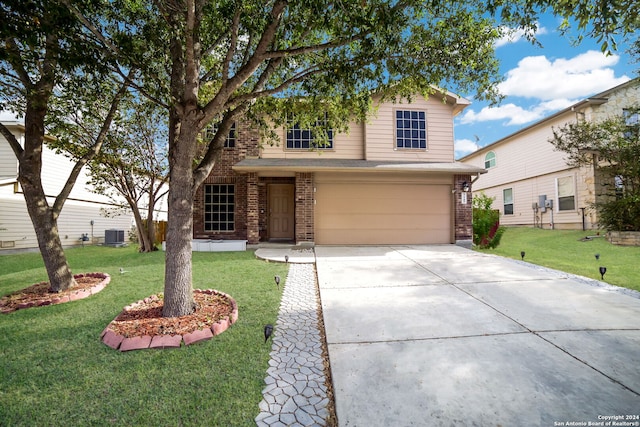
441 335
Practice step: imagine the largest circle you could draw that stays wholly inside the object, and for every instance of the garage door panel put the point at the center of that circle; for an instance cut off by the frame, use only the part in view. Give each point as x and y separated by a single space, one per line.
381 213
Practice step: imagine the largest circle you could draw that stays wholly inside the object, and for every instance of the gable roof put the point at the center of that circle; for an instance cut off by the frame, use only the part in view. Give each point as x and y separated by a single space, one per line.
598 99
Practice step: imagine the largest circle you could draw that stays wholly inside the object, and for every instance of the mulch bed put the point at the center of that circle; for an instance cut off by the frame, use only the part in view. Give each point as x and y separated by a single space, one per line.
40 294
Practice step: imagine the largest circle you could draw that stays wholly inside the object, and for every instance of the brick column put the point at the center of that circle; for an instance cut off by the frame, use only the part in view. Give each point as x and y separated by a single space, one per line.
463 212
304 207
253 229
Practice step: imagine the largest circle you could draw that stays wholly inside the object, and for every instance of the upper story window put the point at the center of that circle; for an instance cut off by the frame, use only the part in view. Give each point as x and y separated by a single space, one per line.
566 194
212 129
507 201
490 160
298 138
411 129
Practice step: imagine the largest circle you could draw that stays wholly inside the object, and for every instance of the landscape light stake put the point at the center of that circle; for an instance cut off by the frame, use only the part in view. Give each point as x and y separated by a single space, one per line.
602 271
268 329
522 255
286 259
597 256
277 279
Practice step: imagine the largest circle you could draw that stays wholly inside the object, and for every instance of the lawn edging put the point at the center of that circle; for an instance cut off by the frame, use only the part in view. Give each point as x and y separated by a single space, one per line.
51 300
123 344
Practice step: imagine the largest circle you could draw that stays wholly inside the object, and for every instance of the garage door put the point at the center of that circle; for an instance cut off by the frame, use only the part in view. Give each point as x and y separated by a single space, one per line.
382 213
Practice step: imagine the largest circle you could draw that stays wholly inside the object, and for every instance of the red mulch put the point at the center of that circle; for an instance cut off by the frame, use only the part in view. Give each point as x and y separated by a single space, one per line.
40 294
145 317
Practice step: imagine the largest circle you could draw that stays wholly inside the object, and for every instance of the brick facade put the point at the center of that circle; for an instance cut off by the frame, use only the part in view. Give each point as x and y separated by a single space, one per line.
304 207
463 228
246 145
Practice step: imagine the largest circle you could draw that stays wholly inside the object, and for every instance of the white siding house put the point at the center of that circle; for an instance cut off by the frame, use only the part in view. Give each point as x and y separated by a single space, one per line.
82 212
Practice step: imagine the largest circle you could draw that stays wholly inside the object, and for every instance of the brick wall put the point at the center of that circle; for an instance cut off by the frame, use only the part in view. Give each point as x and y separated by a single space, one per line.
463 228
304 207
247 140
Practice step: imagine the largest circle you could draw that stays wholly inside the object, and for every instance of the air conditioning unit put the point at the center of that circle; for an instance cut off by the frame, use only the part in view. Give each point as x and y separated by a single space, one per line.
114 237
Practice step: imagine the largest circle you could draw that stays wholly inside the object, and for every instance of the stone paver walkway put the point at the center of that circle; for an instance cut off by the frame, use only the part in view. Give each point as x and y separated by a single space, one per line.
295 392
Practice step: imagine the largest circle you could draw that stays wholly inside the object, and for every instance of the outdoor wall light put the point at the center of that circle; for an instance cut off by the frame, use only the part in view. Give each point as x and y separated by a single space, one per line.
465 187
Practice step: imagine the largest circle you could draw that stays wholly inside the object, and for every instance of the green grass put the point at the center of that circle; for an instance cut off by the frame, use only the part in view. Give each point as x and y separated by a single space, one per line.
563 250
54 370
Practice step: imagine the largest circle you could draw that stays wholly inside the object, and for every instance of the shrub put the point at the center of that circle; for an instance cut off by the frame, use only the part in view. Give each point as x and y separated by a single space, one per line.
486 222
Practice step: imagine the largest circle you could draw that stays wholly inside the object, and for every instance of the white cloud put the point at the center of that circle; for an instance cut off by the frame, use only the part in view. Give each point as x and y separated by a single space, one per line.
540 78
552 85
511 35
515 115
464 147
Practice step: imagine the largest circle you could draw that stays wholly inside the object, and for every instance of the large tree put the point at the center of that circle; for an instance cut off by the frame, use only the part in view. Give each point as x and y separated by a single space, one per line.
612 148
49 71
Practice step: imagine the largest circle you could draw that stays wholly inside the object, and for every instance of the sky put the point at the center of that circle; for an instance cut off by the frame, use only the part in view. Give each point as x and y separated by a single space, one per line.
540 81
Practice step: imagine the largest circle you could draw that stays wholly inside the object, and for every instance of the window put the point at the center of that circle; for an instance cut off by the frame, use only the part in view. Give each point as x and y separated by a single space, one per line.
566 194
507 198
632 121
298 138
619 185
212 129
219 206
411 129
490 160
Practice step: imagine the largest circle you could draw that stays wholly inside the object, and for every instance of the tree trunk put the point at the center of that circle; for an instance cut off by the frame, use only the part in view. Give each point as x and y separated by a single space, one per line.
43 217
178 290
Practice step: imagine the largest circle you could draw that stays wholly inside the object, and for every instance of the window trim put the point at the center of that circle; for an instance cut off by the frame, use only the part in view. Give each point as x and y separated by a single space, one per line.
230 208
505 204
230 140
492 159
396 130
292 126
572 196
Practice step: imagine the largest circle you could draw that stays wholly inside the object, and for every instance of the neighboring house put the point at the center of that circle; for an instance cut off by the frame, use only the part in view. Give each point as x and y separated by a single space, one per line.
81 214
391 180
531 182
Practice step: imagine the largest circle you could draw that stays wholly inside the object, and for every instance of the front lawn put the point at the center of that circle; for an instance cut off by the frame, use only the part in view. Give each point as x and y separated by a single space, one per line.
567 250
54 370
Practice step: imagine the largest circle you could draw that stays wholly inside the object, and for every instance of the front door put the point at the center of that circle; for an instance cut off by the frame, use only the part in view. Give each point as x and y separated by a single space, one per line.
281 211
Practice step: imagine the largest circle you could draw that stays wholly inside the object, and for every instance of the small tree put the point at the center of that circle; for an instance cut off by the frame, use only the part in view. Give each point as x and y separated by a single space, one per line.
612 148
134 166
486 222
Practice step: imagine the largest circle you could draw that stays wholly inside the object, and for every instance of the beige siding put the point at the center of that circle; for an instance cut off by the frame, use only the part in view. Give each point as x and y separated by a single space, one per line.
524 156
393 209
380 132
345 146
527 191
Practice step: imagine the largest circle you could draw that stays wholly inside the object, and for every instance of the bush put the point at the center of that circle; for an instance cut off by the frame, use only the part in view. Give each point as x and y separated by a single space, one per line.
486 223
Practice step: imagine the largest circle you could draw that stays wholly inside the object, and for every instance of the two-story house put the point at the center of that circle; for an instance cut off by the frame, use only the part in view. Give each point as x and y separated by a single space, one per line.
531 181
82 214
390 180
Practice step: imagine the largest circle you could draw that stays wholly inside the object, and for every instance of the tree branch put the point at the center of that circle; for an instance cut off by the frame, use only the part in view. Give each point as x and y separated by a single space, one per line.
94 150
11 139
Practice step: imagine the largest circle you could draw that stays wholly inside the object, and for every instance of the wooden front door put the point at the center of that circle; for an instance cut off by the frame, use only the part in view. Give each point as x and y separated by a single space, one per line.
281 211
